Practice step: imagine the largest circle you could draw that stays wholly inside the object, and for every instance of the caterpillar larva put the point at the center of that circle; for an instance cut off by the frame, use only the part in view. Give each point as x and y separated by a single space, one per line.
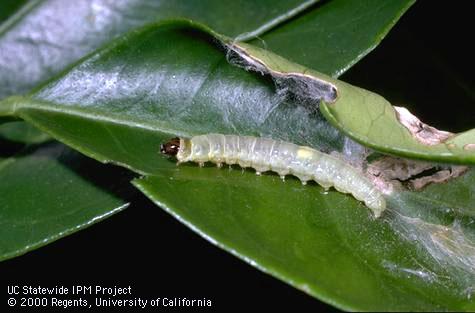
265 154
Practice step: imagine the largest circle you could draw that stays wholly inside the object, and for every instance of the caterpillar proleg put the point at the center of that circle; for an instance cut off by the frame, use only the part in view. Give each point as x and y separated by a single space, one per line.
285 158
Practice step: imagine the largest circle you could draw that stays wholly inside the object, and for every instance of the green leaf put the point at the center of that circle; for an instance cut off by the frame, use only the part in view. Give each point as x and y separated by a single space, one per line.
119 104
115 104
336 35
323 243
9 7
377 125
22 132
47 194
85 26
439 79
47 36
369 118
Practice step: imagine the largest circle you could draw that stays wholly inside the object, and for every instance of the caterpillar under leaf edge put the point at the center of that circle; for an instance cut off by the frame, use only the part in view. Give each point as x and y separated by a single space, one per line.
264 154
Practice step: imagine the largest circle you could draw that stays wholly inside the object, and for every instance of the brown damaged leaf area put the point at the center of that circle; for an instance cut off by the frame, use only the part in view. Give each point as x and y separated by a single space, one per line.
388 173
438 177
299 83
391 168
398 172
424 133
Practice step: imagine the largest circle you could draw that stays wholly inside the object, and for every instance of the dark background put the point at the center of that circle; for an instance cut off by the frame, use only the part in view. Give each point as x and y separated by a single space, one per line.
424 64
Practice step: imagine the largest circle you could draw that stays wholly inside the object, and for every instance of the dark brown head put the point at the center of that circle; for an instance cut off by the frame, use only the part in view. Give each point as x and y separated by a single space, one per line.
171 147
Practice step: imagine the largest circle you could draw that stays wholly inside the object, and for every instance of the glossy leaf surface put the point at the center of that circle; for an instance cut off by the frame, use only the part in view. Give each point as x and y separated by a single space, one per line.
117 107
336 35
323 243
47 193
46 36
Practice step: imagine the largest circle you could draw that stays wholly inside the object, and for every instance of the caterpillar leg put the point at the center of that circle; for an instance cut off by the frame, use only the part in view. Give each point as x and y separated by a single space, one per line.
303 178
326 185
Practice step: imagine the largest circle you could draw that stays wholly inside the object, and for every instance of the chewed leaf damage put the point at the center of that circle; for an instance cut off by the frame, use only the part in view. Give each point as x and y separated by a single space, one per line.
424 133
411 173
301 84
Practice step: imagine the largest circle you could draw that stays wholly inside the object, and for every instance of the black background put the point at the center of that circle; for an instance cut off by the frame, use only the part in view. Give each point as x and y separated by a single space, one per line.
430 43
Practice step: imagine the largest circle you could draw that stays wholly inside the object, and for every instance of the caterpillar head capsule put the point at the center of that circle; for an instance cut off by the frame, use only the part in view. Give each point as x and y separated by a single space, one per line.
171 147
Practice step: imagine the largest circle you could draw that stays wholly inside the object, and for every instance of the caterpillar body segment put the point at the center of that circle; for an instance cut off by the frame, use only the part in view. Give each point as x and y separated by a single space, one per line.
264 154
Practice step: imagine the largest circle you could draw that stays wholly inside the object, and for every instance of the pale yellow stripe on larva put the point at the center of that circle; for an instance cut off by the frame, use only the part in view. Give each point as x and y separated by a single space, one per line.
304 153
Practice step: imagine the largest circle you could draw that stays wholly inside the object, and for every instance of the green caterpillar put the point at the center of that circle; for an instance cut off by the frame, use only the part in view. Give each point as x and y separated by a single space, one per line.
285 158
